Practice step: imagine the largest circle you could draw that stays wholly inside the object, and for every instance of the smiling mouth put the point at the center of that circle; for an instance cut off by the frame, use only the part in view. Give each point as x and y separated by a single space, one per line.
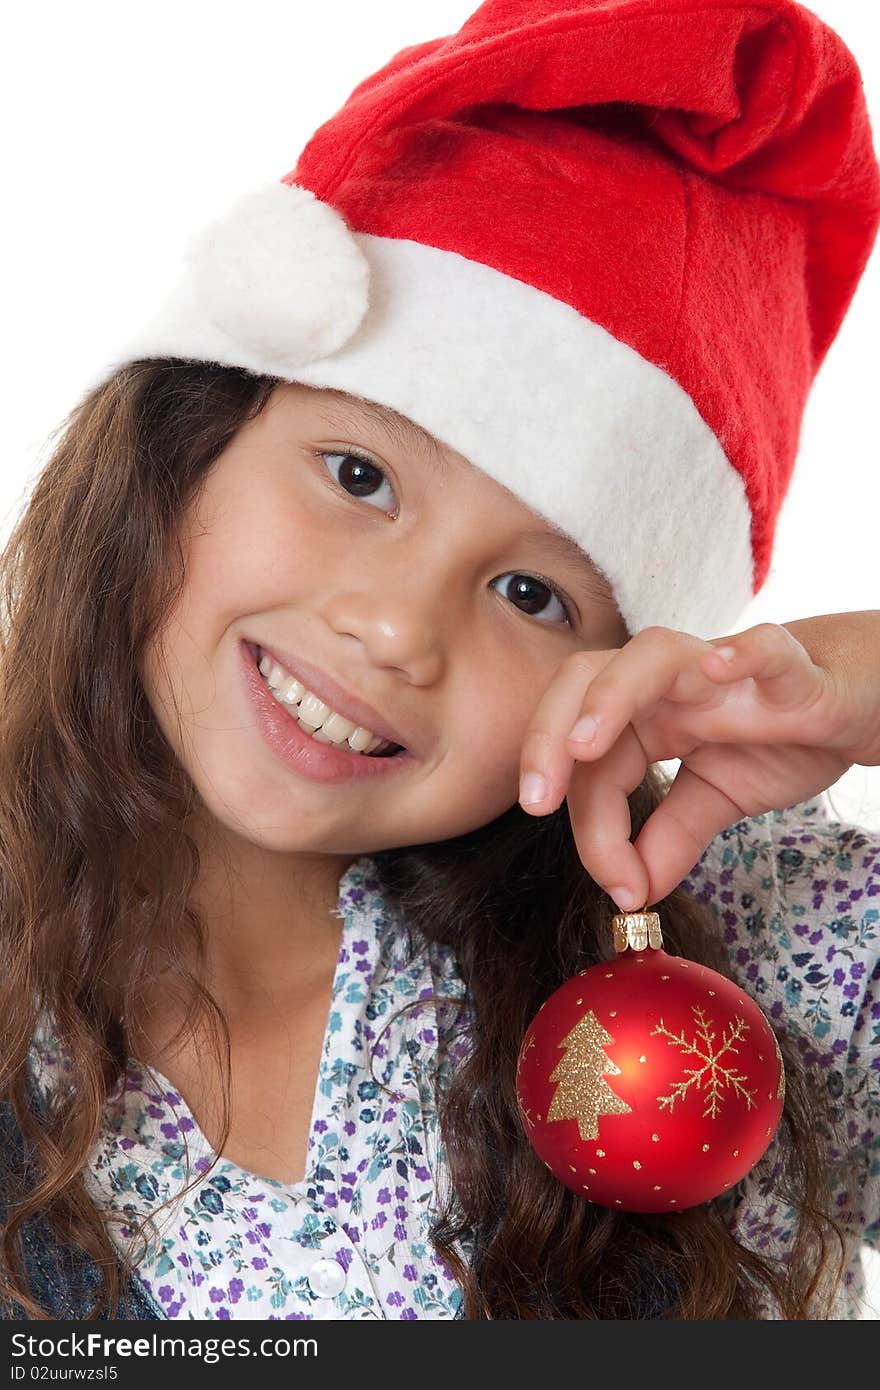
389 751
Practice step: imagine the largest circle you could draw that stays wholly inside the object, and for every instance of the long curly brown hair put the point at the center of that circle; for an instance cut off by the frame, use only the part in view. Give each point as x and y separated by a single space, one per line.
97 872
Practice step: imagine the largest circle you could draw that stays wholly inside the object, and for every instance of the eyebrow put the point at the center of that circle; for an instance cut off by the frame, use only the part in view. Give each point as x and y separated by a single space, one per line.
563 548
399 428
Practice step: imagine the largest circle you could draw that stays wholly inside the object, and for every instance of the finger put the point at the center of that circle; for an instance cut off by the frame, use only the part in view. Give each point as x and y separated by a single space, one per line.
771 655
677 833
544 753
657 663
598 808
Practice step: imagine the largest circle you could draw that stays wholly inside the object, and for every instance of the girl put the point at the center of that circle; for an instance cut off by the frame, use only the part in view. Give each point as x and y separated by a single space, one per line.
297 830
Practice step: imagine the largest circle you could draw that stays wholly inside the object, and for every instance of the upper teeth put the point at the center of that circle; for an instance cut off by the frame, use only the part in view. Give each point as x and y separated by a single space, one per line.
314 716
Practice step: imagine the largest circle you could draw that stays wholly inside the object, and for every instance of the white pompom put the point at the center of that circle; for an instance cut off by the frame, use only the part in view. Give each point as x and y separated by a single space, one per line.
281 272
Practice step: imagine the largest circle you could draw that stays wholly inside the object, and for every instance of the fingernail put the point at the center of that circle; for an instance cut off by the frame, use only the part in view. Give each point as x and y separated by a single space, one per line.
625 898
726 653
585 729
532 788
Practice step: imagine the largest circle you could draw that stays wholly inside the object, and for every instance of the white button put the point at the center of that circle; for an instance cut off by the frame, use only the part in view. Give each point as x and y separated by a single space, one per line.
326 1278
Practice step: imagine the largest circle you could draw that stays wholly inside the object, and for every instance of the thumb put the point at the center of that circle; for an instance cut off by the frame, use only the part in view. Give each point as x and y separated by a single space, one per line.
676 835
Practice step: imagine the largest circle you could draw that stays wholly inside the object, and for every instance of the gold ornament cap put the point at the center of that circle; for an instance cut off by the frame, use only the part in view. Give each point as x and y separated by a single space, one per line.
636 930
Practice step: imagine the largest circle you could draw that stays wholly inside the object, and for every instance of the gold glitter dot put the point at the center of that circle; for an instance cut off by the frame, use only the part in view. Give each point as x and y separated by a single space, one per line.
539 1117
643 1058
768 1130
736 1153
655 1137
711 991
600 1153
769 1095
572 1167
684 966
705 1148
613 1013
636 1163
657 1187
617 1201
580 1001
610 975
760 1056
664 977
586 1187
671 1201
592 1170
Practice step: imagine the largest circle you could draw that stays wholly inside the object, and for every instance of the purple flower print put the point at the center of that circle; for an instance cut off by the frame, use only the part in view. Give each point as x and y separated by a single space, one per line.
369 1154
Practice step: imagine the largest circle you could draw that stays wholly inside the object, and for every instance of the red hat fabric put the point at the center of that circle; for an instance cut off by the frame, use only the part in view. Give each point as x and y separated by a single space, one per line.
598 247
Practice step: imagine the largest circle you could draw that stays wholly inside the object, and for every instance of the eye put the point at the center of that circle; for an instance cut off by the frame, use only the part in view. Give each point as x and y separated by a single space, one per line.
358 475
532 590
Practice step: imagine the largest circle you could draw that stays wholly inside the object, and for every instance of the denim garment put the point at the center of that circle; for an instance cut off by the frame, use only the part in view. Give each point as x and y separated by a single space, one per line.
63 1281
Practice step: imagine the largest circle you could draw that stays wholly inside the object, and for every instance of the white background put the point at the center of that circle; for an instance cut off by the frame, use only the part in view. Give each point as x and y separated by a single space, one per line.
127 127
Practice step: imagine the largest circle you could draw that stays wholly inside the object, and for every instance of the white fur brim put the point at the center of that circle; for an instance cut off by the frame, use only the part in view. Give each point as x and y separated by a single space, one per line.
594 438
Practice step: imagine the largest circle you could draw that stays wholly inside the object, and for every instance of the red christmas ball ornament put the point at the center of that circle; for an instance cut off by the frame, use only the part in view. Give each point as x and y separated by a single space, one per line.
649 1083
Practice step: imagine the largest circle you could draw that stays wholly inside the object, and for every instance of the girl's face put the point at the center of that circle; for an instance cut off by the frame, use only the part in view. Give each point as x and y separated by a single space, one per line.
404 574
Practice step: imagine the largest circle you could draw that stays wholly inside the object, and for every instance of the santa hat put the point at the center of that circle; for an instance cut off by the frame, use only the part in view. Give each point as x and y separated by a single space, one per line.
598 247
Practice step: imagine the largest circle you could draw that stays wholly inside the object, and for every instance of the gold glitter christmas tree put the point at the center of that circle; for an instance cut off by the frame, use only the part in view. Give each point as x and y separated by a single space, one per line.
582 1094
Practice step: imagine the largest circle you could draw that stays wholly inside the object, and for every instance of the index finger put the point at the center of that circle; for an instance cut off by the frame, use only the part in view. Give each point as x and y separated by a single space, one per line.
545 762
658 663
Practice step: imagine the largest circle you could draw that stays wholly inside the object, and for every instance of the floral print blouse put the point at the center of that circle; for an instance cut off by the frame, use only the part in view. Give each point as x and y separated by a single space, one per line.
797 897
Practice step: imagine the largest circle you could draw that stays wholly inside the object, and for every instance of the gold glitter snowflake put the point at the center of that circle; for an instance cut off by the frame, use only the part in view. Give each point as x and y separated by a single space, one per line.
716 1075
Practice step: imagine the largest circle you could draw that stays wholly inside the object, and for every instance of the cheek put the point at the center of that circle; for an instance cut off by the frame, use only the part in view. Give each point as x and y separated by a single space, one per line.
476 781
257 550
489 732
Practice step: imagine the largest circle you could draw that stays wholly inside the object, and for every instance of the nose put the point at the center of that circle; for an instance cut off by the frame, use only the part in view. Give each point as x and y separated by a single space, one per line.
394 628
407 599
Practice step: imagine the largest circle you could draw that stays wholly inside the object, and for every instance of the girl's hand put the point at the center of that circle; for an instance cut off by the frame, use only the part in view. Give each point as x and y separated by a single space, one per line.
777 722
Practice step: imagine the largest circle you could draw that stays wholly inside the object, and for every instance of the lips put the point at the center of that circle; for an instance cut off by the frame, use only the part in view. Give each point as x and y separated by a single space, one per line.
350 706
